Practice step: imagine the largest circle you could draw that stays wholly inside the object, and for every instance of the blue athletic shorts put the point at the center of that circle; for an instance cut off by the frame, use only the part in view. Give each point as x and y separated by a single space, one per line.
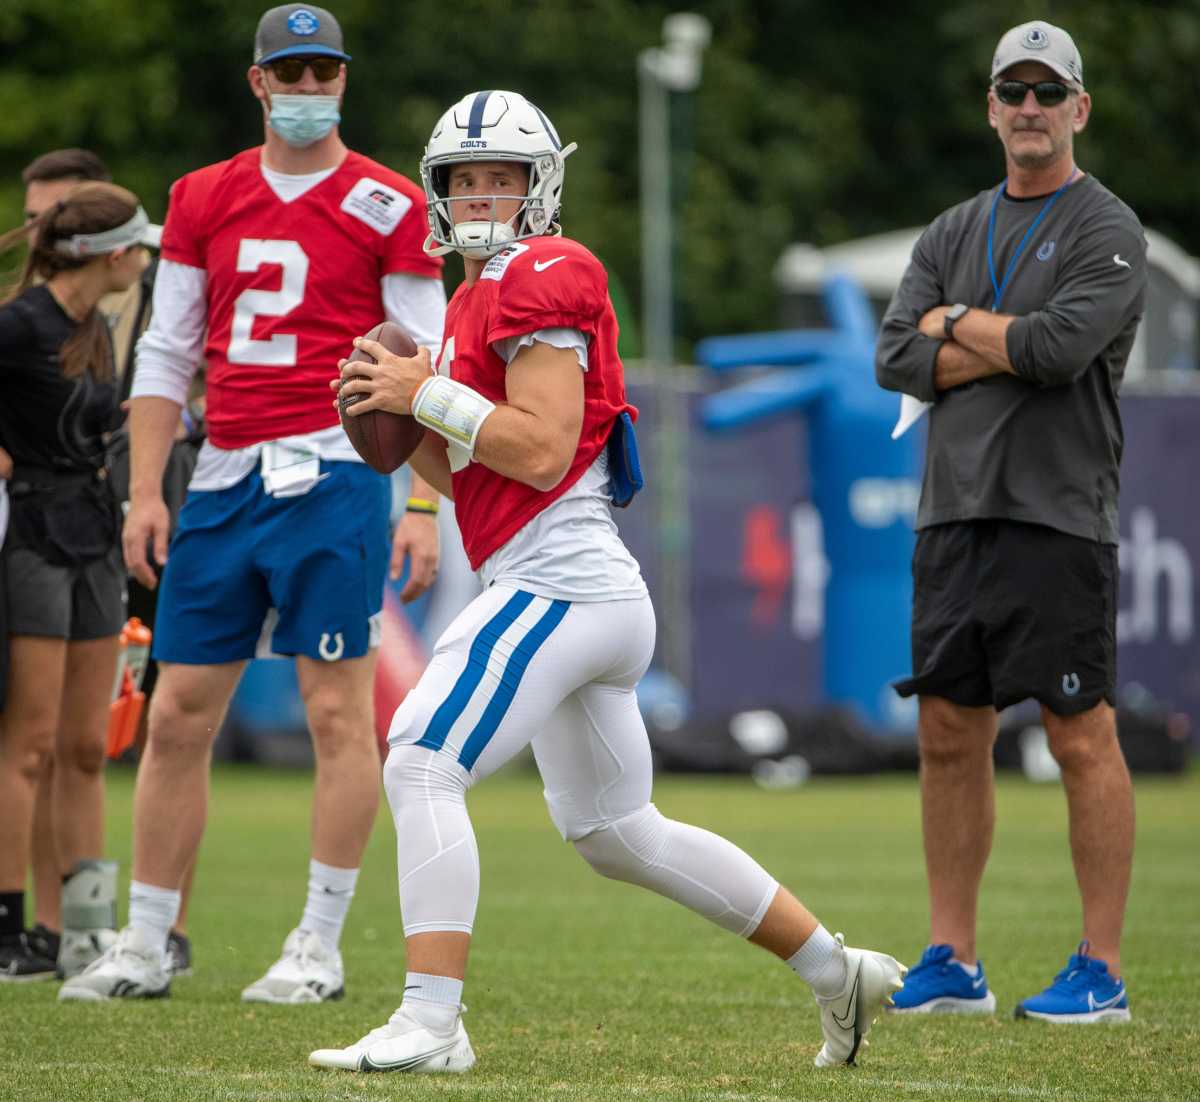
249 574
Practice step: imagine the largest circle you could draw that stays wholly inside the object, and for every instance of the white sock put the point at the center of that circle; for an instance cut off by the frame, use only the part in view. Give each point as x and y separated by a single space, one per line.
971 970
329 893
153 911
817 963
435 1001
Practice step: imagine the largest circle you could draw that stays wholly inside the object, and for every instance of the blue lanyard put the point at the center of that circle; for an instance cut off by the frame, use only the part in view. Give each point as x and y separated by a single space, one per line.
998 288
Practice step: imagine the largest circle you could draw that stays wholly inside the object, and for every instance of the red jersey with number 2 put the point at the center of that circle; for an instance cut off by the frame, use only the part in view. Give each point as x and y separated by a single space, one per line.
289 285
542 283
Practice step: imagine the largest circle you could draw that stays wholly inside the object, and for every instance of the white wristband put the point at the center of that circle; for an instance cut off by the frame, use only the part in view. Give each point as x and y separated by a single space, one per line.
452 410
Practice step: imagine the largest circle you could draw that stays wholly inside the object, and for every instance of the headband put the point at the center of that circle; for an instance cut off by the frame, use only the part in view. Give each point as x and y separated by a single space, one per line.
137 231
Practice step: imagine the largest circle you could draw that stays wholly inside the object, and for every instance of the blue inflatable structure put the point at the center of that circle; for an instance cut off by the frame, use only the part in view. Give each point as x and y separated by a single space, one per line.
865 486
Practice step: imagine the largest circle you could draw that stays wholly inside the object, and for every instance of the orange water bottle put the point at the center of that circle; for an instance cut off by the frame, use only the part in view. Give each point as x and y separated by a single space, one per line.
125 712
135 638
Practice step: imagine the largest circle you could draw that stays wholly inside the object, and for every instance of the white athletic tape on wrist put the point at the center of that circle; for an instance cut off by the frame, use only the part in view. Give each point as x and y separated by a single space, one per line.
452 410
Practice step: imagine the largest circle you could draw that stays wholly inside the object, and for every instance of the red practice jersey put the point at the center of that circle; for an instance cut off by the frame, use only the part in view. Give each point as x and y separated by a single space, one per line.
289 284
542 283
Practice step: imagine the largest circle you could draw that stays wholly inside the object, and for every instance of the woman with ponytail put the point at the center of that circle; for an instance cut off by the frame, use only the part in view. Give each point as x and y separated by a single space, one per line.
61 572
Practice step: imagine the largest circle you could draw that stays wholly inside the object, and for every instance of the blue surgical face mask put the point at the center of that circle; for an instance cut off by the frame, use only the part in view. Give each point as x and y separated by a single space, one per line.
302 120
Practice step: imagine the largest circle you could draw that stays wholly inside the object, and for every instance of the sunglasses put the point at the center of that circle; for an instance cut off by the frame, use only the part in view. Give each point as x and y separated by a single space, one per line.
1048 93
290 70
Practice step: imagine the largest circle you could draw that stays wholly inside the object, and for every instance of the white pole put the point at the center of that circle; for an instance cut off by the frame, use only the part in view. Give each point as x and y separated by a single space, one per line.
673 68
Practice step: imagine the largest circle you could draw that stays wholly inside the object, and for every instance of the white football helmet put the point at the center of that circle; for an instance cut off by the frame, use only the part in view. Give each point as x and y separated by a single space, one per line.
493 126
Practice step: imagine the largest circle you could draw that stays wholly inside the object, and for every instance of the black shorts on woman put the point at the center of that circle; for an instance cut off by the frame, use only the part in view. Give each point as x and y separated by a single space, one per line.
1004 611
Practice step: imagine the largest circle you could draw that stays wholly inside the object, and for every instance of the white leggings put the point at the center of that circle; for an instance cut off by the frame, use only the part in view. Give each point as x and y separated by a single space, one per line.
515 669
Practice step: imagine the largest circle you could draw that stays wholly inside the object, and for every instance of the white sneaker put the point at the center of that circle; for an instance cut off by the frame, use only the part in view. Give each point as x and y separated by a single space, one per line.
871 979
404 1044
78 948
132 968
307 972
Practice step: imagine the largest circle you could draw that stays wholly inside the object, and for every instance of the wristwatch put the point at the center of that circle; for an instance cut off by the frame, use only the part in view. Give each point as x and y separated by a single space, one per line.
952 315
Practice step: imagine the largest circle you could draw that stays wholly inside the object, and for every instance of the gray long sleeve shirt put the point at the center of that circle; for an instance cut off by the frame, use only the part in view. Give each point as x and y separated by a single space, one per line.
1043 446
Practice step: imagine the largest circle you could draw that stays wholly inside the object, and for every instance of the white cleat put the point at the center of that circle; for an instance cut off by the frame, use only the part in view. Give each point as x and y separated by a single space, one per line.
132 968
404 1044
307 972
871 980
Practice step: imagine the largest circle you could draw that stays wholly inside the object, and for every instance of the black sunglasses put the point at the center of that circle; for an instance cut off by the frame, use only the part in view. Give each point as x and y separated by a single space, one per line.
1048 93
290 70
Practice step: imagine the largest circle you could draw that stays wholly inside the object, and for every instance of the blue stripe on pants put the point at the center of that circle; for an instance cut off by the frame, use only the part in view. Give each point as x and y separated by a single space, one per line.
510 680
468 681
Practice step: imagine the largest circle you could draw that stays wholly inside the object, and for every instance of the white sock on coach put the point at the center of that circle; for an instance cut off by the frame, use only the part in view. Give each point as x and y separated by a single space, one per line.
330 891
153 911
817 963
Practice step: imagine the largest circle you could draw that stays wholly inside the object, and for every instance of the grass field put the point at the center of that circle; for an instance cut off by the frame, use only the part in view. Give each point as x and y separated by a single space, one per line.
582 989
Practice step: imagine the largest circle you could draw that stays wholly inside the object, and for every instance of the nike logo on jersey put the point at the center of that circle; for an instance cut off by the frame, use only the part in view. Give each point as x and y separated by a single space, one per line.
542 265
1104 1004
1124 263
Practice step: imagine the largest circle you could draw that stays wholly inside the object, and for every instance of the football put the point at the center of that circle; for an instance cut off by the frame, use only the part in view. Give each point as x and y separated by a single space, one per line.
384 440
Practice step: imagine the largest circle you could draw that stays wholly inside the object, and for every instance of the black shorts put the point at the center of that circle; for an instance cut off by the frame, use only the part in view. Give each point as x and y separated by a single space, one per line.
81 602
1005 611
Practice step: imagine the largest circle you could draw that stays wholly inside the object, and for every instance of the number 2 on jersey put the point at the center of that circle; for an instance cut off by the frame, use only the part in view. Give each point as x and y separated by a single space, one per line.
280 349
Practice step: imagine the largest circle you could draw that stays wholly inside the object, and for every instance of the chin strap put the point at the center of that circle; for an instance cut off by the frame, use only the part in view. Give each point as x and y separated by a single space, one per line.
432 248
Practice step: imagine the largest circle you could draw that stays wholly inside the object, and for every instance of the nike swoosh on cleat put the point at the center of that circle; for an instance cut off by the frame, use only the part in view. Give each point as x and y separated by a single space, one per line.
851 1005
542 265
979 982
365 1063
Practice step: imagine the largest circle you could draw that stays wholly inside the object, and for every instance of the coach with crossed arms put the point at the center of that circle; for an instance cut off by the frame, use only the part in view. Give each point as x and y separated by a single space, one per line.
1014 319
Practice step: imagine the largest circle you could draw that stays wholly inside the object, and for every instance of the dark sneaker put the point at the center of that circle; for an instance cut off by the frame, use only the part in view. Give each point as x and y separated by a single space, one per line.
20 964
1081 992
179 955
44 941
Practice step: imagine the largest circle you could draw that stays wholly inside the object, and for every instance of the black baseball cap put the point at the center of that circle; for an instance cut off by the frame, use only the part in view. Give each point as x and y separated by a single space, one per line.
297 30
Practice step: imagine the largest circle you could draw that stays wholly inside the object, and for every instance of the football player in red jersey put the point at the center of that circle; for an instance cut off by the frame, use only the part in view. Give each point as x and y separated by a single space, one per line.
271 262
532 437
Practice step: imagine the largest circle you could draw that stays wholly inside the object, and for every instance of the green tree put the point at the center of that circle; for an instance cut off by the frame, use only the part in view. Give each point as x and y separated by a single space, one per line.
816 120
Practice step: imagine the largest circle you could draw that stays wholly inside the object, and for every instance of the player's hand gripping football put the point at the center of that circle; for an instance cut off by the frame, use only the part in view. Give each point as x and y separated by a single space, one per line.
388 384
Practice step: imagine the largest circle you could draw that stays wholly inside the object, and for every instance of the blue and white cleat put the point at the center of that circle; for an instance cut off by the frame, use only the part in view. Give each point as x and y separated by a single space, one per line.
938 984
1081 992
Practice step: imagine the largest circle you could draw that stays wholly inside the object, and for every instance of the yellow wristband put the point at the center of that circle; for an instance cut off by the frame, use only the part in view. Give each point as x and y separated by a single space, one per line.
421 505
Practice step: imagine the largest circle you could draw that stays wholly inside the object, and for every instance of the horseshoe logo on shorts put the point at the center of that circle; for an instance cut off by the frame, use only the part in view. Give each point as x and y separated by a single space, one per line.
332 654
1070 683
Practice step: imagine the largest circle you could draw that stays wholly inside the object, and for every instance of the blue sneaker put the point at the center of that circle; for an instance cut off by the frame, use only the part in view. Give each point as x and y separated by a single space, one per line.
938 984
1081 992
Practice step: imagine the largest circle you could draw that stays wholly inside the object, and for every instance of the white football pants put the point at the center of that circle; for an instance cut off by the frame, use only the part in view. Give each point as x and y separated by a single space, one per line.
514 669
